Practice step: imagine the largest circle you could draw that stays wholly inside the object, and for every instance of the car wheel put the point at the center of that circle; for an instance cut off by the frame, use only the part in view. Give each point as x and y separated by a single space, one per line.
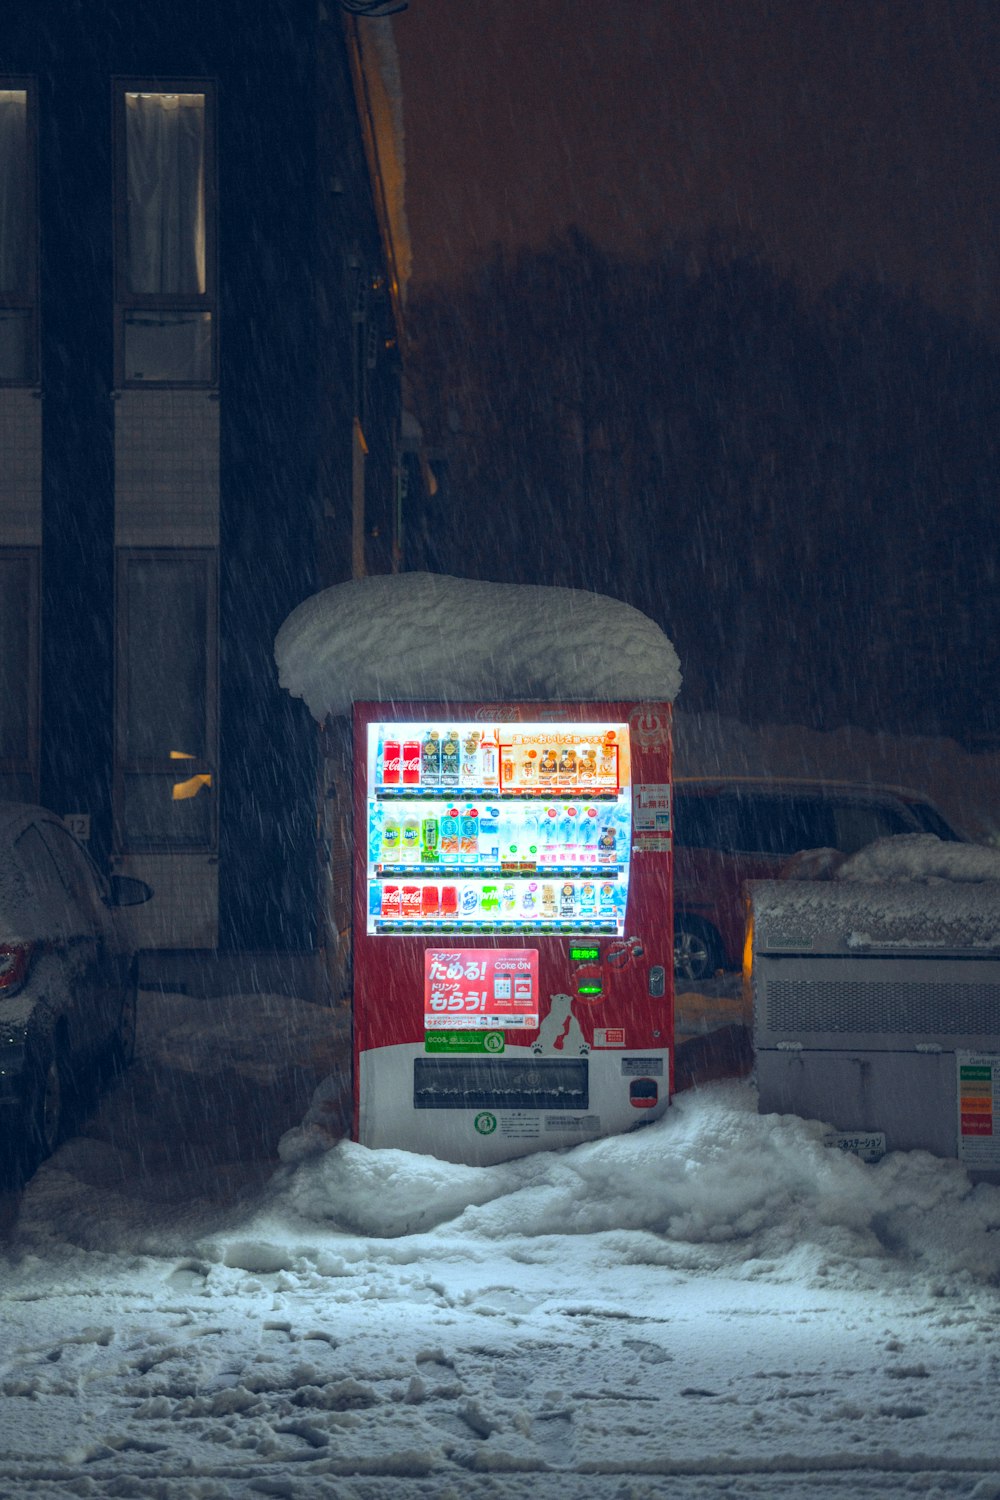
122 1048
46 1108
697 950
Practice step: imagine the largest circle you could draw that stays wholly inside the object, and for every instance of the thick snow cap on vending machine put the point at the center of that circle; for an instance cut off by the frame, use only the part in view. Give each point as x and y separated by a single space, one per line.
409 636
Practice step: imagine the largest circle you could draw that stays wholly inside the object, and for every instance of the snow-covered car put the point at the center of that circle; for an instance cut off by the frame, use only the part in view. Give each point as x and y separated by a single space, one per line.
728 830
68 979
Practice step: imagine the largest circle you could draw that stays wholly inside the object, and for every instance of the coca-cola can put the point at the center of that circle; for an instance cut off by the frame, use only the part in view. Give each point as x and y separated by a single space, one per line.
391 760
411 763
410 901
392 901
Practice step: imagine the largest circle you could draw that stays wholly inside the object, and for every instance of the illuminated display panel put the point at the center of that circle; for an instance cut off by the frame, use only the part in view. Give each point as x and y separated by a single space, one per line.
474 828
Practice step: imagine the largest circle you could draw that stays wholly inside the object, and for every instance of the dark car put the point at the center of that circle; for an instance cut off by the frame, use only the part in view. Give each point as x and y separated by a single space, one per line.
68 979
728 830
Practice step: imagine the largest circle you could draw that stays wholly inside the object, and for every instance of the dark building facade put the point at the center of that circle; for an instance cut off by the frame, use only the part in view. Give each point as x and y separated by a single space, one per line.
199 427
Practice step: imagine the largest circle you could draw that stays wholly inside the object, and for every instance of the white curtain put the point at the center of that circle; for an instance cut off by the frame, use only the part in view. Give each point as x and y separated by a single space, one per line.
165 150
13 189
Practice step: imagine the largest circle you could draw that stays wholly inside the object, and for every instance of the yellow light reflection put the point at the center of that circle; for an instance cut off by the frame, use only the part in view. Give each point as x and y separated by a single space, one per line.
186 789
748 967
180 755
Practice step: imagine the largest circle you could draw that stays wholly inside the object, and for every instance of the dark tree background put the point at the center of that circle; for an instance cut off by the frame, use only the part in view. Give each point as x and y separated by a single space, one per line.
803 496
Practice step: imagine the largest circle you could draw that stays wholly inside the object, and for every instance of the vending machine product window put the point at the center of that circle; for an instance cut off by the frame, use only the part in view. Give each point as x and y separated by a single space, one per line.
497 828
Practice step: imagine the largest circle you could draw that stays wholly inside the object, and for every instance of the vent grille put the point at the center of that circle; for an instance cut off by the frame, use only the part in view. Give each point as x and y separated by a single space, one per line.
871 1007
496 1083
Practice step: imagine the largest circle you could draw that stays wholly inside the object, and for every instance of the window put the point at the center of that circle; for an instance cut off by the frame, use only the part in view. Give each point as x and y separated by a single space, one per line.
782 825
18 674
750 822
166 718
165 236
858 824
931 821
18 236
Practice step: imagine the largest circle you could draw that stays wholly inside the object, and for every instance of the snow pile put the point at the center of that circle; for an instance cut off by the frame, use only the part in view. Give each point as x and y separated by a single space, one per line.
715 1303
709 1186
921 856
422 635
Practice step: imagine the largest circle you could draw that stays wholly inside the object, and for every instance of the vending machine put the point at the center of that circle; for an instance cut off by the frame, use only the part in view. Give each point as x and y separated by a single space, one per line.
513 976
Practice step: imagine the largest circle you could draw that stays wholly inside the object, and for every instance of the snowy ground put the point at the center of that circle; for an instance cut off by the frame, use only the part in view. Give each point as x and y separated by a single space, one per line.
716 1305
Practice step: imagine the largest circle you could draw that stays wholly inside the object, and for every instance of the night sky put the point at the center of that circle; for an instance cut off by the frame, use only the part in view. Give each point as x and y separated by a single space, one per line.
828 134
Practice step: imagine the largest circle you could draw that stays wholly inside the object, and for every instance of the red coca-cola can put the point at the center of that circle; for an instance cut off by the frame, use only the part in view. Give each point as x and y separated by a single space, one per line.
410 900
449 900
411 762
391 762
392 901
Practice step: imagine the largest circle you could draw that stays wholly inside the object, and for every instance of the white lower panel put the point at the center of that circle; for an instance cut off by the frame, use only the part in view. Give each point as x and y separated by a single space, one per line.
910 1097
621 1089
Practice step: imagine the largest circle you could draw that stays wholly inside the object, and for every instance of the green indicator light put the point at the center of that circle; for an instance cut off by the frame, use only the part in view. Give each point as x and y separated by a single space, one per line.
579 954
589 989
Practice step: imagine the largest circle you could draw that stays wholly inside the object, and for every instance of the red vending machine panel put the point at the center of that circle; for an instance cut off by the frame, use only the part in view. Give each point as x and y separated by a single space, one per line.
512 924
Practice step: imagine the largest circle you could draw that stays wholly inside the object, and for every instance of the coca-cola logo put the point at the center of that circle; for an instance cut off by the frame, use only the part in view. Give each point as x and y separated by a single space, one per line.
649 727
502 713
392 761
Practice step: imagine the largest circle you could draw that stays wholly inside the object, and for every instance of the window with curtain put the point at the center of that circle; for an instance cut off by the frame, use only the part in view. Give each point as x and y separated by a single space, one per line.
17 236
165 216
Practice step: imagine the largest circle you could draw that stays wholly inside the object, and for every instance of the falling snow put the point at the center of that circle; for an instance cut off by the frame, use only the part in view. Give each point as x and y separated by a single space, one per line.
211 1292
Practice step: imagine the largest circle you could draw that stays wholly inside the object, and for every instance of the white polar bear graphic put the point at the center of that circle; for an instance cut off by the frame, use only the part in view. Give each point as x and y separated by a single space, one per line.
560 1031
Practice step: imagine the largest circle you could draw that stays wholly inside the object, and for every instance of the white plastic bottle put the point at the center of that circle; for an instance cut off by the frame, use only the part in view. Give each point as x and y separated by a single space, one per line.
489 760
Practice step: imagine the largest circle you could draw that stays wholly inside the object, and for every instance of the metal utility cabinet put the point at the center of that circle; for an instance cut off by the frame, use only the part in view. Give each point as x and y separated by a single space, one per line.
877 1010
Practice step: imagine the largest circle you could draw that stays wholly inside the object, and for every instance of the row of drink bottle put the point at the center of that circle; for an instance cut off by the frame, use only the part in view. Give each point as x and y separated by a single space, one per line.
472 758
440 760
567 835
544 900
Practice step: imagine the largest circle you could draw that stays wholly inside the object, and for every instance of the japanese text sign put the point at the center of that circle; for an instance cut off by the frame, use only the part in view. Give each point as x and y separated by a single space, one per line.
469 988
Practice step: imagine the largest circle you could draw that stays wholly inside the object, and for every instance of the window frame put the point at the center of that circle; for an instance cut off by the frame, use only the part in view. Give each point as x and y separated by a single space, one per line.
127 301
28 300
162 765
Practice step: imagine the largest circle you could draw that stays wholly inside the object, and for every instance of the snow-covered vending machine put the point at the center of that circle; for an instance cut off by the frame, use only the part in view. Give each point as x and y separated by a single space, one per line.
513 978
